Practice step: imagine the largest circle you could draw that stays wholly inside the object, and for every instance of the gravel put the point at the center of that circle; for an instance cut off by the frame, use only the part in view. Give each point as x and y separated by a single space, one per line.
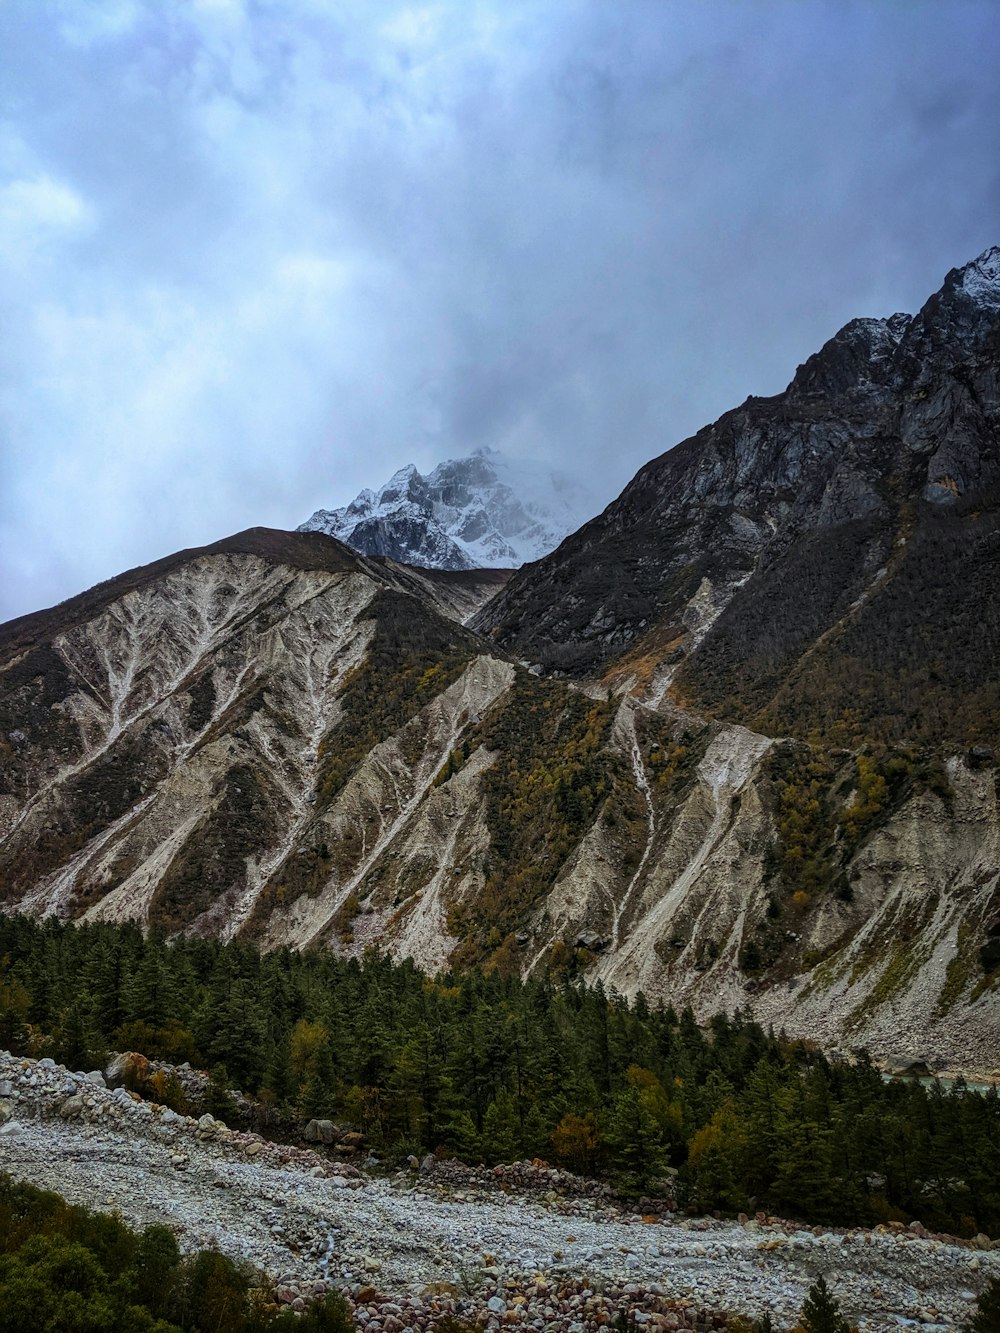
426 1248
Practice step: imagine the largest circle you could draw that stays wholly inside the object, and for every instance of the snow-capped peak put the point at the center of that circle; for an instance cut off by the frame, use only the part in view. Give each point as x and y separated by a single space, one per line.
980 279
482 511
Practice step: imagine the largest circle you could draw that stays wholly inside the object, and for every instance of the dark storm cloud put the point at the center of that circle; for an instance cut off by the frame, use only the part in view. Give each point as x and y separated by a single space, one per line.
257 254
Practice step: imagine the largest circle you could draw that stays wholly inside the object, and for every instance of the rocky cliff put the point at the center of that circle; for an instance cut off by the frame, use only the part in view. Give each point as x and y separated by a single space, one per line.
824 560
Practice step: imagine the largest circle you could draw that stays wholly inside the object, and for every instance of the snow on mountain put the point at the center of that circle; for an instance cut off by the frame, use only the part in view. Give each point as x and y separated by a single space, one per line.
980 279
486 511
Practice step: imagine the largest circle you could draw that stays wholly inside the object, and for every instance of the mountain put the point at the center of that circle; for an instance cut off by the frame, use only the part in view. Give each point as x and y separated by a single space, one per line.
753 761
166 736
484 511
825 559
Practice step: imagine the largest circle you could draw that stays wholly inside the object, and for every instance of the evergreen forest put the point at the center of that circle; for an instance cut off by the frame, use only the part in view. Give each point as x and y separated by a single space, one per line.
65 1267
488 1068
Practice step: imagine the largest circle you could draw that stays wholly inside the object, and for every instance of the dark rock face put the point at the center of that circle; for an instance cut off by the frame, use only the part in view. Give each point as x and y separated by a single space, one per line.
798 517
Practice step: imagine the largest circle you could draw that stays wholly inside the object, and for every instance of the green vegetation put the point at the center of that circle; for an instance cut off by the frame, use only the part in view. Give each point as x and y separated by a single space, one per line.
826 804
987 1317
550 778
804 818
960 970
64 1267
819 829
821 1312
379 697
487 1067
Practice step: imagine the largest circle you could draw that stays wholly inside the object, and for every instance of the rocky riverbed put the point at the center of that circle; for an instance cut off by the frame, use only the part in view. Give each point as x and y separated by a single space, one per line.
408 1249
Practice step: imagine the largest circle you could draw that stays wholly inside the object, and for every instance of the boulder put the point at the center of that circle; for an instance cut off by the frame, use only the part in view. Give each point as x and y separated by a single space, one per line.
590 940
128 1067
908 1066
72 1107
320 1131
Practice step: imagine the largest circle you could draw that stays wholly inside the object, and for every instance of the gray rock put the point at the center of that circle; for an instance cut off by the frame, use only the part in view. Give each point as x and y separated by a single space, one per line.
320 1131
114 1070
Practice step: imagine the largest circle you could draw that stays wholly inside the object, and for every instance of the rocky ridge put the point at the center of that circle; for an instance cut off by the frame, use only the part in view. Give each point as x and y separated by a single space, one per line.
768 568
411 1249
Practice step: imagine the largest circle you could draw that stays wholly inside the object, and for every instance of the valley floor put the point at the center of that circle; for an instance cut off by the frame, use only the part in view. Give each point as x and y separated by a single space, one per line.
307 1222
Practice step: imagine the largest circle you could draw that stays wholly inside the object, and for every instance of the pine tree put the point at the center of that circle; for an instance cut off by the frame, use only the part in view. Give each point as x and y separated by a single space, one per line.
147 991
987 1316
821 1311
461 1137
240 1037
319 1087
279 1079
501 1130
72 1045
218 1097
635 1141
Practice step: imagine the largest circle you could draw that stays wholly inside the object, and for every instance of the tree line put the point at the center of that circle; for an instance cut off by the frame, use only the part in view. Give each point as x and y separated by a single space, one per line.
489 1068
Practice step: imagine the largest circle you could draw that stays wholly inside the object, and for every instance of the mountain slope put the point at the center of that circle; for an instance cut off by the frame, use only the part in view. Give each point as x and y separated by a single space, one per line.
164 735
278 738
822 560
484 511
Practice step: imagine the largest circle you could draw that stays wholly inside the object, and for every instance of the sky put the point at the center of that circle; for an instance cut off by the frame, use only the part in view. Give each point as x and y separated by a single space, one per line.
257 254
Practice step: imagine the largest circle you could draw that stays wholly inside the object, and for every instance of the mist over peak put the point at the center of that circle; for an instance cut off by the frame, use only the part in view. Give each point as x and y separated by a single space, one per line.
485 511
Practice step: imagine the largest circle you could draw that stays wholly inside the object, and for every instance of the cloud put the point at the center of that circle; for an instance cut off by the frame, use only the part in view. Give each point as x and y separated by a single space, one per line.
256 255
32 209
83 22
